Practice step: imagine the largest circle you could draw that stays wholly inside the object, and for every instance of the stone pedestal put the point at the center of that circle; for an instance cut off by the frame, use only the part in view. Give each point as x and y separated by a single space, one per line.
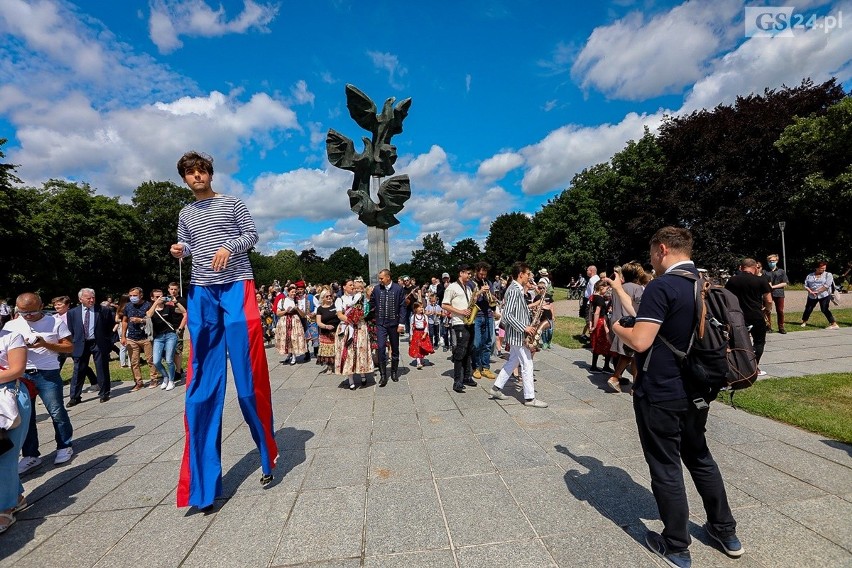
378 256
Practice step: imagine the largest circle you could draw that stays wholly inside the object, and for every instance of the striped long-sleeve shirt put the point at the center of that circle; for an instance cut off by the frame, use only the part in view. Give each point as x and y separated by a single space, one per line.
516 314
205 226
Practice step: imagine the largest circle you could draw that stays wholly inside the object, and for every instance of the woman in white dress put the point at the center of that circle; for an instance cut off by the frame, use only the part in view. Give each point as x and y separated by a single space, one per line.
352 342
290 332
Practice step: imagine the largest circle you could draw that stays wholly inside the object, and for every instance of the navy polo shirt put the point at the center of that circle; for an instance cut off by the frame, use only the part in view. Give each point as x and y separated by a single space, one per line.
668 300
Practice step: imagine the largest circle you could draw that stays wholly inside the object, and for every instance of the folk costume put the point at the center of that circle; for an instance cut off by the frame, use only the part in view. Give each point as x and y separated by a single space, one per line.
420 344
352 342
290 331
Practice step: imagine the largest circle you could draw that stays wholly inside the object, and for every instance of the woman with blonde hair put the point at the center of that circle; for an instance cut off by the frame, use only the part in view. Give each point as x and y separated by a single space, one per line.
327 322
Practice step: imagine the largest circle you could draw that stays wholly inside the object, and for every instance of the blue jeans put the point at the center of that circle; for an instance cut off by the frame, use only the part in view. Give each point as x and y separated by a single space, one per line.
49 385
483 340
164 346
10 481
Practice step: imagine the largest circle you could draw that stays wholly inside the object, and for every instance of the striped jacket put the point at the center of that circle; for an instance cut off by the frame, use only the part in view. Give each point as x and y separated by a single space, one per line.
516 315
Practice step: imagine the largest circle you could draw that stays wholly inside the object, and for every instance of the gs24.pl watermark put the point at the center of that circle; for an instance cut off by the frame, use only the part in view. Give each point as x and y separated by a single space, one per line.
785 21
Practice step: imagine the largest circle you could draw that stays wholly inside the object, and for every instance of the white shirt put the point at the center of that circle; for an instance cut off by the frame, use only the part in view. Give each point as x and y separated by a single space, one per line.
590 286
48 328
458 298
9 340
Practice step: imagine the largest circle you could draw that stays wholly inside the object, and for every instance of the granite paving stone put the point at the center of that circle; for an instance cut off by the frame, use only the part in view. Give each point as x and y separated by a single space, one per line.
415 475
403 517
324 524
469 501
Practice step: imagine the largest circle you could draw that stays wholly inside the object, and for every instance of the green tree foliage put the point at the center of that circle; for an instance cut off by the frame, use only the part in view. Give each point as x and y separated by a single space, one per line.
86 240
569 232
465 251
157 205
429 260
820 150
508 241
347 262
725 179
17 241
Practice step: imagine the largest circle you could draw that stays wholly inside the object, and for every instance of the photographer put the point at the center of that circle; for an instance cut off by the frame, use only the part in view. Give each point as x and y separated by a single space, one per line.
162 313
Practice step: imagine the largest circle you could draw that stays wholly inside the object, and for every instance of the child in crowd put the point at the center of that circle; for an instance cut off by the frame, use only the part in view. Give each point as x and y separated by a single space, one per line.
599 330
419 345
433 314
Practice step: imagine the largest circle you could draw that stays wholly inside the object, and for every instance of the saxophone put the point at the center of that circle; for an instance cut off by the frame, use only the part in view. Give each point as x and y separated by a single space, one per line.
533 342
474 309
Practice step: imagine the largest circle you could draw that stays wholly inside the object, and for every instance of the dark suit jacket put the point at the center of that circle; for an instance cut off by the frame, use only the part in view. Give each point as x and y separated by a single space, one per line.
104 322
397 299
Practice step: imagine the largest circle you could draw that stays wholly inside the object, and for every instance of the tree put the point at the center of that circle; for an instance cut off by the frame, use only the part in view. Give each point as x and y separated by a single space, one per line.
465 251
21 249
158 205
508 241
429 260
727 182
347 262
820 149
87 240
568 233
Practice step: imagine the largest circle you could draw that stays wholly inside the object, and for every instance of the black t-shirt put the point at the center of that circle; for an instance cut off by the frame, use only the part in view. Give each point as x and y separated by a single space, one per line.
599 302
174 317
749 290
328 316
669 301
160 323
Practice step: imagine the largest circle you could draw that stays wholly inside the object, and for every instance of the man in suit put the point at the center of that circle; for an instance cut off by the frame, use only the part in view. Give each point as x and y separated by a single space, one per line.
388 304
91 326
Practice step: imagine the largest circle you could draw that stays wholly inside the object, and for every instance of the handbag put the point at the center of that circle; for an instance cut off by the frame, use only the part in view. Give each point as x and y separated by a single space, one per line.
149 328
9 416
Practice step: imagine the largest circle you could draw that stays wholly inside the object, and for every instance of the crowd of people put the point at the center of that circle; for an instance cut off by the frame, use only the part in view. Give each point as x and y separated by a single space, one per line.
353 329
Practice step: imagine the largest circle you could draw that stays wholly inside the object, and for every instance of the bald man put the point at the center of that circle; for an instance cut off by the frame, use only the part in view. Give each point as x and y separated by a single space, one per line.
46 338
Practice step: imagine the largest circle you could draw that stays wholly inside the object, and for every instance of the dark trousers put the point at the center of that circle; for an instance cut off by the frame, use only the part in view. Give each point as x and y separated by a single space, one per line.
90 374
810 303
671 432
434 333
81 363
779 311
385 332
463 335
758 336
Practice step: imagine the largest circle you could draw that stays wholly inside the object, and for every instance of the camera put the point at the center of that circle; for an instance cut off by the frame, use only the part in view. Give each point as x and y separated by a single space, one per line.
167 298
627 321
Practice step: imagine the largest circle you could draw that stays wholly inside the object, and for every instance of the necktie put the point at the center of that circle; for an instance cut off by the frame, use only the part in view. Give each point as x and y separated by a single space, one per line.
86 321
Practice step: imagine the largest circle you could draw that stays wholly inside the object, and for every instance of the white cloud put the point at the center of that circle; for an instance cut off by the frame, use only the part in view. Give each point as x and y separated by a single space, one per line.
549 105
635 58
300 93
497 166
390 63
113 149
48 52
552 163
467 81
195 18
310 194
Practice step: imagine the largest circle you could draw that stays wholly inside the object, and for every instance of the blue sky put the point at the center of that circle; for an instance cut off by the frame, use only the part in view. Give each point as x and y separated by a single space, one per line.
510 98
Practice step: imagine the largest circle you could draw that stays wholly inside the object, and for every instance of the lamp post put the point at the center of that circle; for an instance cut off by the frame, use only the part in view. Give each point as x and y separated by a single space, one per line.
781 225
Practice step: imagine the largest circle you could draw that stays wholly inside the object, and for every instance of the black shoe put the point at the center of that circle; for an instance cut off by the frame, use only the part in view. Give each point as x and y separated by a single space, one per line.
105 398
383 376
782 331
608 369
595 369
74 402
459 389
265 480
393 372
469 383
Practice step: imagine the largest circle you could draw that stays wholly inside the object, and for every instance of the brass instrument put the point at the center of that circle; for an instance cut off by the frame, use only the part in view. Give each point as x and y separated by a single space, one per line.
534 341
474 309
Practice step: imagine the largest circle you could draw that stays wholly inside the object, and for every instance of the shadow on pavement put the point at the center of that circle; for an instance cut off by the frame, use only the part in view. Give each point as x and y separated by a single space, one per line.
613 492
838 446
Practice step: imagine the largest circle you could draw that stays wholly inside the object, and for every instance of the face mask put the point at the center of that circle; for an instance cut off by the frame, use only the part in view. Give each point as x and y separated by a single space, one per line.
134 299
772 265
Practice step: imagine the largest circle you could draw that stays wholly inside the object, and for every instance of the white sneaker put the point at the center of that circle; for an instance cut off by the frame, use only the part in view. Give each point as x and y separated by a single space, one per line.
163 385
761 373
497 393
535 403
63 455
170 386
26 464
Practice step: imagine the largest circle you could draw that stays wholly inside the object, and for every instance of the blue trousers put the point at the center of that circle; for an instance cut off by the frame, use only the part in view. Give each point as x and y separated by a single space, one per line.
223 319
164 347
483 340
49 385
10 481
385 332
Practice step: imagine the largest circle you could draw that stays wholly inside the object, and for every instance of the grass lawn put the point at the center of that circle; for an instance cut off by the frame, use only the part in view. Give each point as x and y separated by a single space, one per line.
116 371
816 321
818 403
567 332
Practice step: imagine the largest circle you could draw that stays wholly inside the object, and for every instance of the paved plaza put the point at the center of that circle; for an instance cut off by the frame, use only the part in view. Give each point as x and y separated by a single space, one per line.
416 475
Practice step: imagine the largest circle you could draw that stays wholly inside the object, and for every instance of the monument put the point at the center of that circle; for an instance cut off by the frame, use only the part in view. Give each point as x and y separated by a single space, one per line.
369 167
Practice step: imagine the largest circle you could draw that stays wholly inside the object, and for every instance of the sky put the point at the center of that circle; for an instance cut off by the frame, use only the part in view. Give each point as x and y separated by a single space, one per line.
510 98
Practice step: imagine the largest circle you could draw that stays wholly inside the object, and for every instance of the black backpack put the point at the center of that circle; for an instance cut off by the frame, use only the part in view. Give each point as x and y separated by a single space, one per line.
720 355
